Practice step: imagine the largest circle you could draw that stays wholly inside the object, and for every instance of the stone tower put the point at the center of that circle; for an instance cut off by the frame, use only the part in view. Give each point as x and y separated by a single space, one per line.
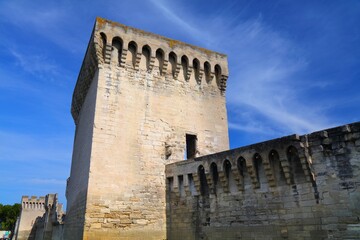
141 101
31 209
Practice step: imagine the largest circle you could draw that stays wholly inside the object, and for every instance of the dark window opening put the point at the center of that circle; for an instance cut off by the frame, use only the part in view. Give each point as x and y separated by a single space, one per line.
190 146
204 187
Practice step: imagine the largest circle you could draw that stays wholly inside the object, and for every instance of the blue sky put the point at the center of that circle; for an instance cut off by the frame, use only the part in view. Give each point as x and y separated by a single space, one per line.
294 68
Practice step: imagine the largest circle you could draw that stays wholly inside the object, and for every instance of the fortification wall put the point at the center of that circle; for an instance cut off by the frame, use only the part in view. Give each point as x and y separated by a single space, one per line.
154 98
41 218
296 187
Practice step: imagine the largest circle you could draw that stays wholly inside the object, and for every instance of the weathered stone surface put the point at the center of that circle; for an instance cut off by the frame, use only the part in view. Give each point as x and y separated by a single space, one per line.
318 204
132 118
40 219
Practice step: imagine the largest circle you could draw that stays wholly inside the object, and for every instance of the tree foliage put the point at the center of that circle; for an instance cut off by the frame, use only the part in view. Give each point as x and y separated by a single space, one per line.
8 216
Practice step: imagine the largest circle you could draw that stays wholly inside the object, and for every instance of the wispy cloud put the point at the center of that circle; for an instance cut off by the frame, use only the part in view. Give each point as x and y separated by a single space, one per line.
266 79
50 20
195 32
35 64
252 127
265 67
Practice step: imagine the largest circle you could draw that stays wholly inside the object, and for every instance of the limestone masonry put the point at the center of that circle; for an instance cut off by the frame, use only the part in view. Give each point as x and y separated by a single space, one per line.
151 156
139 100
295 187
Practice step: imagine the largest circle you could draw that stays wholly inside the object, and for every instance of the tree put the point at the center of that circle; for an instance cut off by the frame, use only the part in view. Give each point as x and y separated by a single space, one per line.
8 216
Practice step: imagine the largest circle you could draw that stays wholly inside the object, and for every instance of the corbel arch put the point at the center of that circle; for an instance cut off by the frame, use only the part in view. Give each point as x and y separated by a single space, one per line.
117 47
207 72
160 58
185 67
145 57
173 64
103 43
276 167
296 169
218 74
132 52
196 67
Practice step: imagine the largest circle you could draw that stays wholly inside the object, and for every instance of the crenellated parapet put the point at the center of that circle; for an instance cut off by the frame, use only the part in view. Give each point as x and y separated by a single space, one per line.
33 203
294 187
271 163
121 48
265 166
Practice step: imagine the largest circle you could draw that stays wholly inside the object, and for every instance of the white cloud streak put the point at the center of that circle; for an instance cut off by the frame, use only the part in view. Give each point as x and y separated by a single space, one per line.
35 64
48 20
193 31
264 68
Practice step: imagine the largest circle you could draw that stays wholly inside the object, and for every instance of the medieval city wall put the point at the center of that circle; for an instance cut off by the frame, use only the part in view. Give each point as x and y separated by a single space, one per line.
296 187
40 218
151 92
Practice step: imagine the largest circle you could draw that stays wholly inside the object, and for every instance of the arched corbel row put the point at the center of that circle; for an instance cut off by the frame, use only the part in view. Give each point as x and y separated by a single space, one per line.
211 77
137 60
107 53
106 49
223 82
285 166
303 159
306 168
188 74
201 74
223 178
165 66
269 172
224 181
252 173
177 69
238 179
151 63
124 53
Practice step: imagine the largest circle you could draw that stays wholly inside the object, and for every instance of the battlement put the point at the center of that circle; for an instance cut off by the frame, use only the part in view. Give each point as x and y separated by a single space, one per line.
122 48
33 203
287 160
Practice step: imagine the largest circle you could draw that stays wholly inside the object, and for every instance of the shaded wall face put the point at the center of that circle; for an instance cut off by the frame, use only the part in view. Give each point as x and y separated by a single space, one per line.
314 197
76 190
27 223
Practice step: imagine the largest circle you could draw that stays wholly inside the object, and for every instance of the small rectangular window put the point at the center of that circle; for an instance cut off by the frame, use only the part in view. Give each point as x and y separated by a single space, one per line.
190 146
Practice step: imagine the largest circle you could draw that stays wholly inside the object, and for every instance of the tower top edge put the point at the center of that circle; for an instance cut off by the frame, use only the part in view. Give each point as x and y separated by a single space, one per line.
101 24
